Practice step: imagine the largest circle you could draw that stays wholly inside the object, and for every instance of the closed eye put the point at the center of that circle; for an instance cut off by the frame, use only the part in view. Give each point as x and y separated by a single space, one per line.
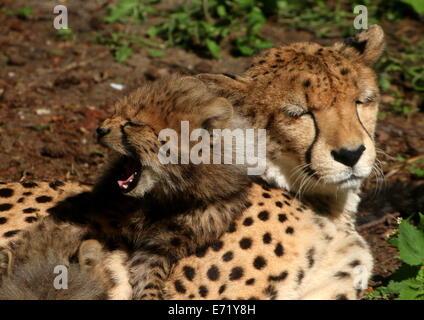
294 111
131 124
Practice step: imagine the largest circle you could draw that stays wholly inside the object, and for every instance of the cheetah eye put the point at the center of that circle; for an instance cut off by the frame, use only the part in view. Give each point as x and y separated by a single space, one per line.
294 111
131 124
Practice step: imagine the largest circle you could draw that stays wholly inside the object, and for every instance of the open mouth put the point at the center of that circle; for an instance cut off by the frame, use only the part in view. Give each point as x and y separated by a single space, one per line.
130 175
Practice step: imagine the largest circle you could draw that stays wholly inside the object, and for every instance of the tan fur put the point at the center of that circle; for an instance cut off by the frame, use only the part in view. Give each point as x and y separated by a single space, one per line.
325 81
33 247
317 259
312 100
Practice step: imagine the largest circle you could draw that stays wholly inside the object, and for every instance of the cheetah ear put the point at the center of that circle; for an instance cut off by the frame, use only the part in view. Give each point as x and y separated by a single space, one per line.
90 254
366 46
6 261
225 85
216 114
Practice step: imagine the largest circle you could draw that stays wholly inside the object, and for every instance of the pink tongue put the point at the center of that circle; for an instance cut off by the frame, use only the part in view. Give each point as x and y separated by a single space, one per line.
123 183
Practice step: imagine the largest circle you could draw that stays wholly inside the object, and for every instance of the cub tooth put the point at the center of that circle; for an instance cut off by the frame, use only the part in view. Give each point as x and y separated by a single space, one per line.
125 186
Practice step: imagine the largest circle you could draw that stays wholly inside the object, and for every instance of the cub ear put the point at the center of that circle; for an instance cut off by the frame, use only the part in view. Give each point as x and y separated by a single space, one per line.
366 46
225 84
90 254
216 114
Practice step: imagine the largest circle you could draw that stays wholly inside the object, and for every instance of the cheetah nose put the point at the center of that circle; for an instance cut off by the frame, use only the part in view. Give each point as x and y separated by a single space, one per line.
101 132
347 156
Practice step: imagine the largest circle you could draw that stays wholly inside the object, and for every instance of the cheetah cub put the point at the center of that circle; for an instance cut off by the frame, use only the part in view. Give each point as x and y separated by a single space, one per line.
54 262
181 207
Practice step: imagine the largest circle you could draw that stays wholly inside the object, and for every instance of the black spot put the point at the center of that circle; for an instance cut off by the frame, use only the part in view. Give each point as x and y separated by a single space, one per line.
228 256
28 193
200 252
250 282
247 204
355 263
267 238
271 292
259 262
358 45
203 291
341 296
213 273
248 222
289 230
236 273
217 245
175 242
232 227
260 204
20 200
11 233
310 257
179 286
282 217
189 272
279 250
5 206
30 210
55 184
263 215
29 184
306 83
342 274
299 209
266 195
43 199
191 296
31 219
279 204
6 192
3 220
300 276
151 286
245 243
222 289
344 71
283 275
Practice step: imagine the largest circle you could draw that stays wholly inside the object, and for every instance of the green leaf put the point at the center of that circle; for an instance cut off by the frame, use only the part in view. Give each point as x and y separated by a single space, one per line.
24 13
122 54
155 53
418 5
411 244
213 48
221 11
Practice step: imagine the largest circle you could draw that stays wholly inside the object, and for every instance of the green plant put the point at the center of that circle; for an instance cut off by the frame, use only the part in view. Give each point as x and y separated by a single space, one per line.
130 10
24 12
407 283
121 44
203 25
65 34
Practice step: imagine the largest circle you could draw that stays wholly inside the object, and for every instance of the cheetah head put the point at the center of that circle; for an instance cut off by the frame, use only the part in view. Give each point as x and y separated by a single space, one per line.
147 132
319 106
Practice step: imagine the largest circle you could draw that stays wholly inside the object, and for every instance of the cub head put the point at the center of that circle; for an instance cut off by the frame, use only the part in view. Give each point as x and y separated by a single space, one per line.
319 106
156 129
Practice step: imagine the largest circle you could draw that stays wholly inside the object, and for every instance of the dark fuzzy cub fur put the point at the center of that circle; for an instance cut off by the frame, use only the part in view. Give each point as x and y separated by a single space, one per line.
180 207
28 269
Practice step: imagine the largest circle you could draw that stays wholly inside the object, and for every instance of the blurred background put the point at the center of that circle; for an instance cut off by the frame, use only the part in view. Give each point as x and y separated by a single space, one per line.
57 85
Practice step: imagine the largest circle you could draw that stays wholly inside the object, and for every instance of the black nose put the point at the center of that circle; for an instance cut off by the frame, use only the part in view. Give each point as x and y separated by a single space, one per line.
102 131
348 157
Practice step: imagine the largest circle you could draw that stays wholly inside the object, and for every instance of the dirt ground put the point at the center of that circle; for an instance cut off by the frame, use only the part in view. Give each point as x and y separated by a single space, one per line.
53 94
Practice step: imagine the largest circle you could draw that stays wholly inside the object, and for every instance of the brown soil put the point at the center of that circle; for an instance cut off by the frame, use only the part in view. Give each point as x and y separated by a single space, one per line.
53 94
